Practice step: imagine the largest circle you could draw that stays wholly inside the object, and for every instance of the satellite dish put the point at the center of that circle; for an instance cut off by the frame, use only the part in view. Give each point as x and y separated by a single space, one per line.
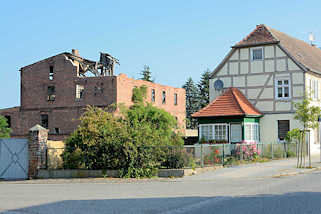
218 85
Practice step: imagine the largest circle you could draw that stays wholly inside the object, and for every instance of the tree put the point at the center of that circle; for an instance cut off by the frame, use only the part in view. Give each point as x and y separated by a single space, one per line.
203 87
308 116
4 129
146 74
192 102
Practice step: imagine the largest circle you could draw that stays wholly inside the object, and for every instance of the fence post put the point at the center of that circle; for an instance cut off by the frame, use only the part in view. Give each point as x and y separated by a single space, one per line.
202 161
272 156
223 154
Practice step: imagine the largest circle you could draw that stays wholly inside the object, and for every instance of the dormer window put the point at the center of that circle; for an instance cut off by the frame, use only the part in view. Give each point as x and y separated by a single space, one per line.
256 54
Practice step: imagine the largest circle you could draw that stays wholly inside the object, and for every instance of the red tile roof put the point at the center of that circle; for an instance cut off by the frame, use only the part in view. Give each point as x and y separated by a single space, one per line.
261 34
231 103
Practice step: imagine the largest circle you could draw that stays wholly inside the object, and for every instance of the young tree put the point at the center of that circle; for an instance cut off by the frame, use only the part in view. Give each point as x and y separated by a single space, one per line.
308 116
146 74
4 129
203 87
192 102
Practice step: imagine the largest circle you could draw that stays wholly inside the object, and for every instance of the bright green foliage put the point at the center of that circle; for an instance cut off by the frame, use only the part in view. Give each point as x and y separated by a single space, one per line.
146 74
308 115
203 87
192 104
139 94
293 135
101 141
177 158
4 130
134 143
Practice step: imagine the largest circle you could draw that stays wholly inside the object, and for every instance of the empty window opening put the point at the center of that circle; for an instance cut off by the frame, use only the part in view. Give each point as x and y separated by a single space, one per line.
51 93
164 97
175 99
257 54
80 91
8 120
44 120
153 95
51 72
57 131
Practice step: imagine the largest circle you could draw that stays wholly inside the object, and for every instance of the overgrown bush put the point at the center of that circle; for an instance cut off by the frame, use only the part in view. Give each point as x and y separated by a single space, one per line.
132 143
177 159
213 157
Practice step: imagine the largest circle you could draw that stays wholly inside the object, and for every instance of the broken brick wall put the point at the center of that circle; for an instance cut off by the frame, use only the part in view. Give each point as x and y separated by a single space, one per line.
125 87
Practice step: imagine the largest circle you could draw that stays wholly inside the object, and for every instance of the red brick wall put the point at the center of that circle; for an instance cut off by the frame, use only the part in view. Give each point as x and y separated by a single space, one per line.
66 109
125 86
35 82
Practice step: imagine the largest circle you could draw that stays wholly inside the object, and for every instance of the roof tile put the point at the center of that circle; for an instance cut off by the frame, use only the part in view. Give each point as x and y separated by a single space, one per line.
231 103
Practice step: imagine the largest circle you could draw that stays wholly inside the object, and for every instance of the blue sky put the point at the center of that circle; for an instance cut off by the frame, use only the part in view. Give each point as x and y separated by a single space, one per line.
177 39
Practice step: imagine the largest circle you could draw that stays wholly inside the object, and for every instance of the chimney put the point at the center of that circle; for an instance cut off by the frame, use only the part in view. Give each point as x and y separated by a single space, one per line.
75 52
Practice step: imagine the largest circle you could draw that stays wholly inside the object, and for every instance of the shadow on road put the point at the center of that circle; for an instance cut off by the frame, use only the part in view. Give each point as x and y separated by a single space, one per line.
296 202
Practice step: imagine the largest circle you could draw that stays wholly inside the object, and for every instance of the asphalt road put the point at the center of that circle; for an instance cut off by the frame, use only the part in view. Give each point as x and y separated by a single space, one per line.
274 187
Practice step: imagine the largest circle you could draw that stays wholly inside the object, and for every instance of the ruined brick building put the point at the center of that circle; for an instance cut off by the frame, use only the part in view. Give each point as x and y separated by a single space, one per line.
55 91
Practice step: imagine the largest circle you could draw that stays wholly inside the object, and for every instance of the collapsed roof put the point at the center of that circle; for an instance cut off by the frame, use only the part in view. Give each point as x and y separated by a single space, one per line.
104 67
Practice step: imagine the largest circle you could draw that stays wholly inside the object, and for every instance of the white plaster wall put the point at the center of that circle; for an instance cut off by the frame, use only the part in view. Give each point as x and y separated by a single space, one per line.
257 80
292 66
223 70
279 52
244 53
280 65
298 78
269 126
283 106
298 91
269 65
253 93
257 66
211 89
269 51
239 81
267 93
235 55
244 68
264 106
234 68
226 81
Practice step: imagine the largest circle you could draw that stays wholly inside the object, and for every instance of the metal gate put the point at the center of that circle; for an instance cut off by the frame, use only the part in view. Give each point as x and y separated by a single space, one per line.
13 159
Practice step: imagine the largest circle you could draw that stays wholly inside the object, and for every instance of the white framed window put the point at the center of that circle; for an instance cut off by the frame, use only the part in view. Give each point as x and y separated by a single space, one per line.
257 54
282 88
252 132
217 131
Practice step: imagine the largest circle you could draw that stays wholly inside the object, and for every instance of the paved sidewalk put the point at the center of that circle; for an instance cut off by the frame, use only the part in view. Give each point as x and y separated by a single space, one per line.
274 168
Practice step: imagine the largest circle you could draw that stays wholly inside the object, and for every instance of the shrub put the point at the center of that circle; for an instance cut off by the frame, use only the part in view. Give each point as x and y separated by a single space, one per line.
214 157
131 143
178 159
